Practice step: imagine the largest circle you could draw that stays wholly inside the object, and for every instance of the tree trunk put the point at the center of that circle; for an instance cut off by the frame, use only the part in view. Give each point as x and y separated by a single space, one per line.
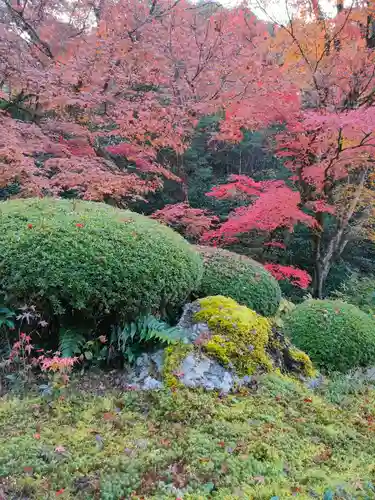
327 252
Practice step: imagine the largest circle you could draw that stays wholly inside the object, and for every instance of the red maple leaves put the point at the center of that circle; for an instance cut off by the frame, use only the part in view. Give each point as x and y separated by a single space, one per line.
297 277
272 205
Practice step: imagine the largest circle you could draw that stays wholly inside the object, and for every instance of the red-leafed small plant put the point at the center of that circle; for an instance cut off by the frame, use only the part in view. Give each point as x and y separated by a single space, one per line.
24 359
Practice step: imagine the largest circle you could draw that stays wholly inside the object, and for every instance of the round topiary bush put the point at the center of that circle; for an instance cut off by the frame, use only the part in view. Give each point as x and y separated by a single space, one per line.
68 255
243 279
337 336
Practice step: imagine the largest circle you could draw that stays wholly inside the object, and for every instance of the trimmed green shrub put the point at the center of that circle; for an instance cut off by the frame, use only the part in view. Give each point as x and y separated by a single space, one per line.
359 291
68 255
337 336
242 279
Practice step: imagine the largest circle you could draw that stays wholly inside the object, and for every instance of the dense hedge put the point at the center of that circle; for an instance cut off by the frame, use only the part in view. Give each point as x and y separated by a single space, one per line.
336 335
243 279
74 255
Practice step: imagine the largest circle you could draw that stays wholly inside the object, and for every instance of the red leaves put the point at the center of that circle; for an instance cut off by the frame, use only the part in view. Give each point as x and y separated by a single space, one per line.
109 417
297 277
275 206
166 443
275 244
192 222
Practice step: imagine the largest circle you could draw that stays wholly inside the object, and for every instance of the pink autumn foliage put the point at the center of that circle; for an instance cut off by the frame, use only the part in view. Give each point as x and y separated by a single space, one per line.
143 72
272 205
192 222
297 277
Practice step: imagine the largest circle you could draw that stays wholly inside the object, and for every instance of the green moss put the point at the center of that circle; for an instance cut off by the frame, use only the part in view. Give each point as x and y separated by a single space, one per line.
163 445
174 355
240 334
92 259
337 336
243 279
300 356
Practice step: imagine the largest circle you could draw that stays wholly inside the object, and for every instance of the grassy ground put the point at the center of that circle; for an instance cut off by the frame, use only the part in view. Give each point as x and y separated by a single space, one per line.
278 442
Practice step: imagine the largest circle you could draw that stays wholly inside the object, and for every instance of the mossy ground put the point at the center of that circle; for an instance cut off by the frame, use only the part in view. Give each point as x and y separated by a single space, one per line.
279 441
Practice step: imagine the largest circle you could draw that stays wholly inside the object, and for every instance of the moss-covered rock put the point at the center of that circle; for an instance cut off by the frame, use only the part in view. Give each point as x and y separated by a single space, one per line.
225 347
287 357
238 335
243 279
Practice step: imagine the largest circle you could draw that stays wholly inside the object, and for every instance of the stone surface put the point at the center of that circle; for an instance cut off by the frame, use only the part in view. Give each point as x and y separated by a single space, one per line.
196 370
146 374
200 371
193 330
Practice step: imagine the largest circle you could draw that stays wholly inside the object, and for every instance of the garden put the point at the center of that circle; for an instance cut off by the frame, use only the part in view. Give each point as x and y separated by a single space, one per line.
125 374
187 250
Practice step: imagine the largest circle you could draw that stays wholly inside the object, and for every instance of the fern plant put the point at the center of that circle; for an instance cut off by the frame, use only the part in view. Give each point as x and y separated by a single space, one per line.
70 342
135 337
7 317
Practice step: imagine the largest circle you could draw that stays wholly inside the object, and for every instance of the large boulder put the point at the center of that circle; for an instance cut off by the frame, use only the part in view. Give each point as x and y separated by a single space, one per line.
216 353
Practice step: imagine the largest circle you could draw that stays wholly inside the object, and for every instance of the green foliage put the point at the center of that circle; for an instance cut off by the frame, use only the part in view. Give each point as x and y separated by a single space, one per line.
165 445
284 309
136 336
70 256
70 342
243 279
359 291
341 388
240 335
7 318
336 335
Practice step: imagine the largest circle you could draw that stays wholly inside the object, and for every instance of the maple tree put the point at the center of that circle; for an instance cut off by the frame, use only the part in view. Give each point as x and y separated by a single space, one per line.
92 91
192 222
327 141
134 76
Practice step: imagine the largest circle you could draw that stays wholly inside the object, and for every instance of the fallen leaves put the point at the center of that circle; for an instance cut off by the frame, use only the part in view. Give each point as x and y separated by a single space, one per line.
108 416
60 449
259 479
323 456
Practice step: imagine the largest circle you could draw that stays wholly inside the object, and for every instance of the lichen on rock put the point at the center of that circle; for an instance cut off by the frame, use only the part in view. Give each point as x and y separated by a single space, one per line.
227 345
238 335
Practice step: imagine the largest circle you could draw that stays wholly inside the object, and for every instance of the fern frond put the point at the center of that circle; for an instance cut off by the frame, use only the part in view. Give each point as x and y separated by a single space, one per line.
154 329
131 339
70 342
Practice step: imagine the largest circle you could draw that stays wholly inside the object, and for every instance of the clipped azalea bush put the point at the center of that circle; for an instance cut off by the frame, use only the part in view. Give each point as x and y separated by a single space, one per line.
246 281
67 256
336 335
